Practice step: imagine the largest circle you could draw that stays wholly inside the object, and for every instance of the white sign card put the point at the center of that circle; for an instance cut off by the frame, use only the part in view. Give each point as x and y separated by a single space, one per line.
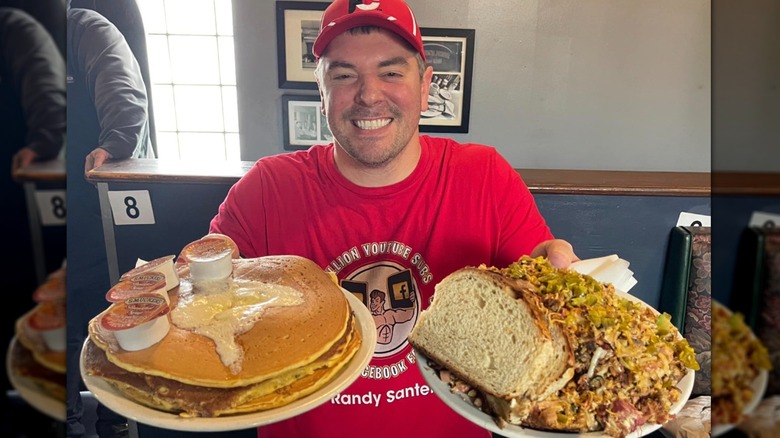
131 207
764 220
52 207
691 220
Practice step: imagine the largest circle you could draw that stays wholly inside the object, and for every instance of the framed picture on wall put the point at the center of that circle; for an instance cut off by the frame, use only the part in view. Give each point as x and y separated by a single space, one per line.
451 54
303 122
297 25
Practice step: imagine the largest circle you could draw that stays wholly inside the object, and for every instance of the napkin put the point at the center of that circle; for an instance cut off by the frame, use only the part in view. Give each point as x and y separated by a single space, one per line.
693 420
764 422
608 269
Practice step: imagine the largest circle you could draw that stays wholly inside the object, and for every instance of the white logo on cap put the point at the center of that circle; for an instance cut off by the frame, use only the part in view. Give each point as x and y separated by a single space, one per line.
370 7
414 24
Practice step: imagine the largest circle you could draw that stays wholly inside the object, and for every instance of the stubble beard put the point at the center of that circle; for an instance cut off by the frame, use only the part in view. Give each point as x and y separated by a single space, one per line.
369 152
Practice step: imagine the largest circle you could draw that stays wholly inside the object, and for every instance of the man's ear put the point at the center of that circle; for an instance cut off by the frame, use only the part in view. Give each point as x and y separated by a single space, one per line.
318 69
424 87
322 96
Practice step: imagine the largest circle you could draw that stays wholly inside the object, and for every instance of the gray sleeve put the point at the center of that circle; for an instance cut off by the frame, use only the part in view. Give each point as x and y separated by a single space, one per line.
37 71
113 75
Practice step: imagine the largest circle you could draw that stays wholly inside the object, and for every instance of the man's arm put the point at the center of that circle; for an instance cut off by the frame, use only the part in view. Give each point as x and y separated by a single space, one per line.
113 76
38 74
524 230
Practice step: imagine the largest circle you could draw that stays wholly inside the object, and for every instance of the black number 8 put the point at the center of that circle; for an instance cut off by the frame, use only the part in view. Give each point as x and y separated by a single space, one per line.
59 207
132 211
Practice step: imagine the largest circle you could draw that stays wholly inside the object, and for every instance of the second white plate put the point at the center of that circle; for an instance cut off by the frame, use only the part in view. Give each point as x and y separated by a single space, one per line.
465 408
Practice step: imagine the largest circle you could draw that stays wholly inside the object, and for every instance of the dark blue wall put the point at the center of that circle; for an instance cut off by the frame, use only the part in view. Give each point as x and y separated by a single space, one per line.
731 215
636 228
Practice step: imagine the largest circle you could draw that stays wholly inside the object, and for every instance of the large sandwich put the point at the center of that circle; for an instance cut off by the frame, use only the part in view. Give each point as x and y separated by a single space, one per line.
226 336
39 353
553 349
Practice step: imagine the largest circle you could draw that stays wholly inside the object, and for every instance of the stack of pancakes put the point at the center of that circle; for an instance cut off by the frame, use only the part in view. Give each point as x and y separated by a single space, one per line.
31 357
289 352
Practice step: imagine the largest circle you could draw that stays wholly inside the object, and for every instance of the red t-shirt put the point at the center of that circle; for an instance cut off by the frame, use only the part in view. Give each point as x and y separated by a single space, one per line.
463 205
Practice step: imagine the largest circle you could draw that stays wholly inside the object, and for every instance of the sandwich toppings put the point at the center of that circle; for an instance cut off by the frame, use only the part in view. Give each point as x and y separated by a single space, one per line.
737 358
626 359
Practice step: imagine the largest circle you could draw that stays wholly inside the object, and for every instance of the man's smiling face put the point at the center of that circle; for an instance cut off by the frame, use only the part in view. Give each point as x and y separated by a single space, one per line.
372 95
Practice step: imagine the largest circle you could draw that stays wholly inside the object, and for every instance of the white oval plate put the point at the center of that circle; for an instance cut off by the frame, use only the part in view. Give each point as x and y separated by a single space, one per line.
759 388
30 392
116 401
465 408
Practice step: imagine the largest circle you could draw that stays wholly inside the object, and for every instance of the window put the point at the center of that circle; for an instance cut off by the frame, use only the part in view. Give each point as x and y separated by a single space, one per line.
192 68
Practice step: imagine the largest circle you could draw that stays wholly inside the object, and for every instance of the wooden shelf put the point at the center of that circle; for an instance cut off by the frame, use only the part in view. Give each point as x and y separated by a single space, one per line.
613 182
153 170
46 171
746 183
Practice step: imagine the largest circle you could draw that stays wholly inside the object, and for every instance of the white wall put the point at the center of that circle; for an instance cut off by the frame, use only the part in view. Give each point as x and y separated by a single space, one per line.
596 84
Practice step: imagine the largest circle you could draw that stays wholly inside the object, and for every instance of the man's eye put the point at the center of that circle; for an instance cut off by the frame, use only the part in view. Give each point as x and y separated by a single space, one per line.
341 76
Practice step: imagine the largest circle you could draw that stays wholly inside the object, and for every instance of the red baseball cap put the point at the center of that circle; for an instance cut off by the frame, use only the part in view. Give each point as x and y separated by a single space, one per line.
393 15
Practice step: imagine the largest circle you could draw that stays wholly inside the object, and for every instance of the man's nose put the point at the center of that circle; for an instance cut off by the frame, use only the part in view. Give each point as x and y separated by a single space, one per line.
369 91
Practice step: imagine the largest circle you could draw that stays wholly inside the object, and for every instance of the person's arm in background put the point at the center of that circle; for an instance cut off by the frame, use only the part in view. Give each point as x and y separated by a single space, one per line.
113 75
38 74
523 229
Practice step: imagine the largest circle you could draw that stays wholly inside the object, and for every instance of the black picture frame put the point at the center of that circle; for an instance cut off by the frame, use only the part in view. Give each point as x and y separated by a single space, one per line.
451 54
303 123
297 25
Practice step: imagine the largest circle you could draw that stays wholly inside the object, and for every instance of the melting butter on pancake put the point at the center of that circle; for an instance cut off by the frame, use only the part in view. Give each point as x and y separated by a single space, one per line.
222 310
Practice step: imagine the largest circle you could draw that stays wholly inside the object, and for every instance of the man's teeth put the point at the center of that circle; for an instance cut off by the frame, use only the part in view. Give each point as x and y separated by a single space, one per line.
372 124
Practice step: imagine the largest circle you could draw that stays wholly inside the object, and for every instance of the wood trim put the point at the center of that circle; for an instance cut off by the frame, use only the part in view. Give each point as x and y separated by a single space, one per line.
45 171
615 182
153 170
746 183
558 181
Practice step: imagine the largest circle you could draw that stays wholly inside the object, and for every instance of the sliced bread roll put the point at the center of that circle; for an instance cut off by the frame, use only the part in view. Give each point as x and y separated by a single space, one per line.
494 333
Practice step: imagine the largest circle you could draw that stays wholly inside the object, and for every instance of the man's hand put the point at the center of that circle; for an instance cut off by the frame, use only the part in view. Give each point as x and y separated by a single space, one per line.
559 252
96 158
22 159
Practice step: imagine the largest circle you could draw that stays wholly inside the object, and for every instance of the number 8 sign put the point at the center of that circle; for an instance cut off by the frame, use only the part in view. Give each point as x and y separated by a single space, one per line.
131 207
52 207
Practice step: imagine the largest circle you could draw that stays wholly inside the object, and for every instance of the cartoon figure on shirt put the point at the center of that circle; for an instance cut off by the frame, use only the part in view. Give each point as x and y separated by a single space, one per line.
390 293
385 319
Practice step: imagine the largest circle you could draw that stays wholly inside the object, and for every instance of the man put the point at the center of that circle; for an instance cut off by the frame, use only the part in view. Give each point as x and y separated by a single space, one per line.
32 119
32 114
382 200
107 119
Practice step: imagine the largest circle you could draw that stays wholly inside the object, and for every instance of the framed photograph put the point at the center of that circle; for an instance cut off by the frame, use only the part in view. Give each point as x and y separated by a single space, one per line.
303 122
451 54
297 25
